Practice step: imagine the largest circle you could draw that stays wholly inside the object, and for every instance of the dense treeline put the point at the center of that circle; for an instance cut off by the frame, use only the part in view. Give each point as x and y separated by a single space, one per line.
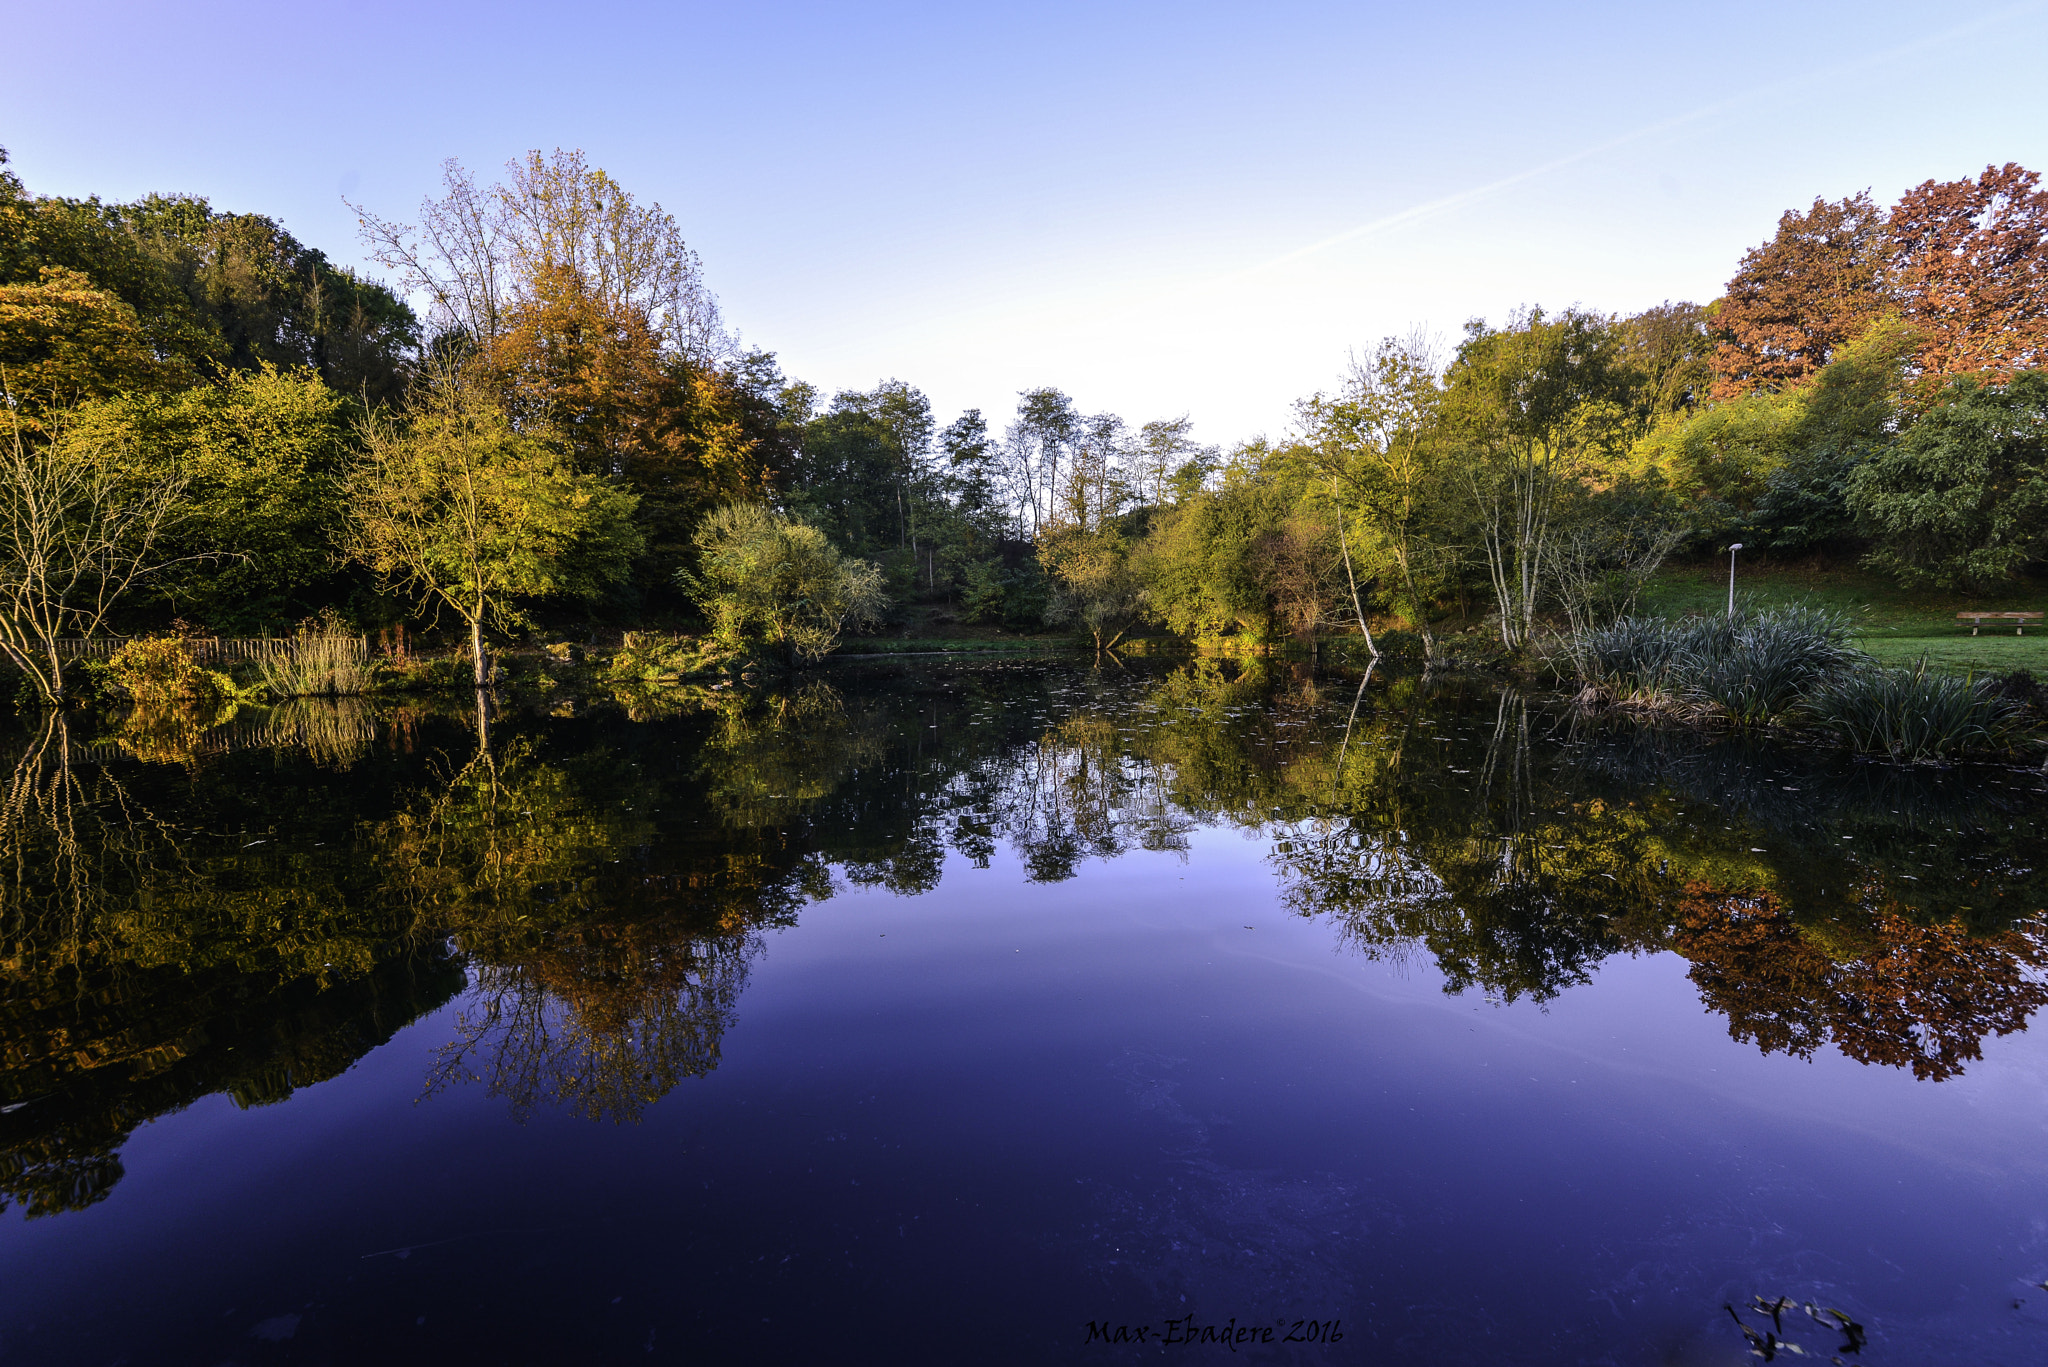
212 424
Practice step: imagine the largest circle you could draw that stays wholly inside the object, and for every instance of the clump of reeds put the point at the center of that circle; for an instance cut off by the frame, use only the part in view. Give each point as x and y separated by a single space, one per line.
1796 665
1914 716
308 666
1755 669
1750 669
1628 659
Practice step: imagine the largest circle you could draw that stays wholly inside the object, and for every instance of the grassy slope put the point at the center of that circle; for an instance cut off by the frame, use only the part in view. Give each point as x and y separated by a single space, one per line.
1898 626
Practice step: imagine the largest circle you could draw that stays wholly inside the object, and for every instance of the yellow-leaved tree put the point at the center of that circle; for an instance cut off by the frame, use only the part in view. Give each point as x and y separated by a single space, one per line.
458 506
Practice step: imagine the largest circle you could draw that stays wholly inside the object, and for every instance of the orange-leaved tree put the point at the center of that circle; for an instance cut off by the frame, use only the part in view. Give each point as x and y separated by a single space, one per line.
1796 299
1968 262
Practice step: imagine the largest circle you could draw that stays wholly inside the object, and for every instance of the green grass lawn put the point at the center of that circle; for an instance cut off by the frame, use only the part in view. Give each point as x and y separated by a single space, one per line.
1985 655
1897 626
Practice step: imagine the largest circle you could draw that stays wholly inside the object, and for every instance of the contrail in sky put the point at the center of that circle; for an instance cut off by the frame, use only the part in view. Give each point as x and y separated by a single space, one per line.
1464 197
1143 300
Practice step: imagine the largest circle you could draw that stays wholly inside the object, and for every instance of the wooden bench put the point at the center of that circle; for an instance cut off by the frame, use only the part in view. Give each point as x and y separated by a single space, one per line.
2020 620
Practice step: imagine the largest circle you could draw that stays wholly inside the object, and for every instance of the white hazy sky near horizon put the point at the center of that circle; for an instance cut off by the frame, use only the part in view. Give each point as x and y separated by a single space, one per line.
1158 208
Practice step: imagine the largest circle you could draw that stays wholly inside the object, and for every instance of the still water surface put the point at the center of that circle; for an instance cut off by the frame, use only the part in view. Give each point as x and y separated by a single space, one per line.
959 1012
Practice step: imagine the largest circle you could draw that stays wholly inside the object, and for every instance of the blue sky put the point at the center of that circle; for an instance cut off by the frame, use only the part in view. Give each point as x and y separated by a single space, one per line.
1161 208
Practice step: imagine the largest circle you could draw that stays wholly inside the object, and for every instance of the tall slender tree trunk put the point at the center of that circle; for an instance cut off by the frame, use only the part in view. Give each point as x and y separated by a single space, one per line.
1416 607
1344 545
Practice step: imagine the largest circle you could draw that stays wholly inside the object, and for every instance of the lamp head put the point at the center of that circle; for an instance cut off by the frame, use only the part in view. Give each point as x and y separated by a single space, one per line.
1734 548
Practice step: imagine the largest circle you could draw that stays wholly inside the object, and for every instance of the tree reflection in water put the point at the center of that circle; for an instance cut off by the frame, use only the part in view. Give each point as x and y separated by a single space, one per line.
598 988
269 897
1891 991
153 950
604 1025
1895 914
1524 876
1509 885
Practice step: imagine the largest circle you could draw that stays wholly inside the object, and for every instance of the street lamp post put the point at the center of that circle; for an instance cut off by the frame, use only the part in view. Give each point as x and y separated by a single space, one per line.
1731 579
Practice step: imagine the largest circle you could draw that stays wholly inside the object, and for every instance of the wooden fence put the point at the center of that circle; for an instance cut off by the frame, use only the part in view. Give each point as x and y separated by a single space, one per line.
213 650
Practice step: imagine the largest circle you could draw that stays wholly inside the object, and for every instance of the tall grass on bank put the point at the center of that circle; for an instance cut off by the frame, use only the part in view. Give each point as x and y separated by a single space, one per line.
1752 669
318 666
1756 669
1914 716
1795 666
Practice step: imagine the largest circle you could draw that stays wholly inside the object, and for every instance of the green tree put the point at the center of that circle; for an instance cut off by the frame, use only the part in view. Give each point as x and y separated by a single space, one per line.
1093 584
768 581
1037 448
964 518
1961 501
454 504
1851 411
264 298
78 532
1668 351
208 291
92 241
1200 561
1722 459
63 341
860 476
973 474
1772 469
1166 457
1535 404
1083 544
1377 447
262 457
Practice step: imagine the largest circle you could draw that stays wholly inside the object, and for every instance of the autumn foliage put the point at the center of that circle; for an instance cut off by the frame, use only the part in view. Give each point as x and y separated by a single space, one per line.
1800 297
1904 994
1969 266
1964 262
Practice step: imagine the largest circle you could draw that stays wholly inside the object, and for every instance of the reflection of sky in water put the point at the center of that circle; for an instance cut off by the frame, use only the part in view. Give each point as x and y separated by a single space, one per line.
958 1124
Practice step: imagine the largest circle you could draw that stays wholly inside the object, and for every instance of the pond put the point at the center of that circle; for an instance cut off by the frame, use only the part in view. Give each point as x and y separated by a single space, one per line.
1013 1012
